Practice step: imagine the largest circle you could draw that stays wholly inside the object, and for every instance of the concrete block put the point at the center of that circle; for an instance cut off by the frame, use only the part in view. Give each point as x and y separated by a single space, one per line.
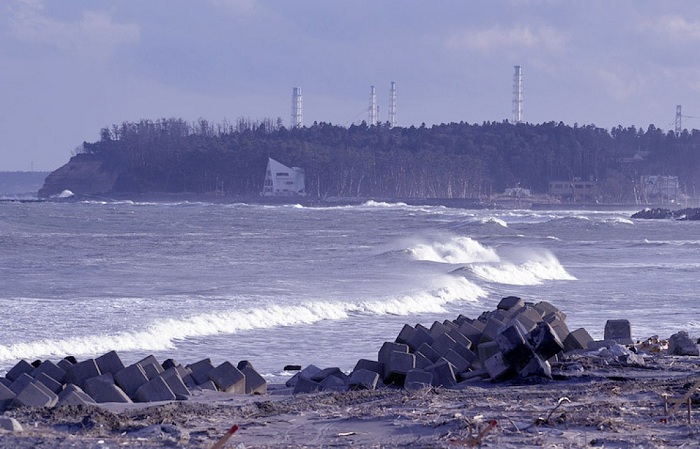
6 397
73 395
618 330
437 329
21 367
386 350
471 331
155 390
333 371
466 354
429 352
398 365
102 389
254 382
457 361
35 394
461 319
492 328
577 339
151 366
171 376
459 338
169 363
307 373
545 308
109 363
536 367
545 341
208 385
417 379
497 368
333 383
443 343
64 364
513 344
443 374
420 335
52 370
21 382
470 376
370 365
486 350
561 329
421 360
306 386
80 372
510 302
49 382
551 316
5 381
130 379
10 425
200 370
405 335
363 379
228 378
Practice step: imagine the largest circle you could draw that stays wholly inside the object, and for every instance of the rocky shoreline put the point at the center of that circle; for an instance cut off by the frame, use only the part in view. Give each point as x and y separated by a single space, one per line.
512 377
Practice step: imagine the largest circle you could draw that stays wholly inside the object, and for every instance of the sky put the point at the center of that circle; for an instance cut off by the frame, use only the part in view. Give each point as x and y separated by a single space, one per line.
71 67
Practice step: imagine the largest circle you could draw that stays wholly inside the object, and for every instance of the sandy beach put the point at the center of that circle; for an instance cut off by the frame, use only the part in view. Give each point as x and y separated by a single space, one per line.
591 403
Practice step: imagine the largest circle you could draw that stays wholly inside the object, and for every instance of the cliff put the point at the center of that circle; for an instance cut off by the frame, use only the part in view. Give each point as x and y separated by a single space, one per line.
84 174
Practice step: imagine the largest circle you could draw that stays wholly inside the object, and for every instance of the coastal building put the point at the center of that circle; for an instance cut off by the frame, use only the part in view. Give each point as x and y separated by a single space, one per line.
576 190
281 180
660 188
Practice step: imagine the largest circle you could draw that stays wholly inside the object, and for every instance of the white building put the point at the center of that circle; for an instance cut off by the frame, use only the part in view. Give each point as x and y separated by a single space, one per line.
281 180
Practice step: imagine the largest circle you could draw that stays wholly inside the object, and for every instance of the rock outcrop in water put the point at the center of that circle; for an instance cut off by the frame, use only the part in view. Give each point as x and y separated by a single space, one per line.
661 213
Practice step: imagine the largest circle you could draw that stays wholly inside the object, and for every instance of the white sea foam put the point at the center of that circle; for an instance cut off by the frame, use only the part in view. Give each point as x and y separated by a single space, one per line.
493 220
372 203
165 334
544 267
455 250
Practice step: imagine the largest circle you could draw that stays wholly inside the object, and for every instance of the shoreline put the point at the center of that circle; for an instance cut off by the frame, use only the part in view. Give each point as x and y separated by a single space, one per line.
604 406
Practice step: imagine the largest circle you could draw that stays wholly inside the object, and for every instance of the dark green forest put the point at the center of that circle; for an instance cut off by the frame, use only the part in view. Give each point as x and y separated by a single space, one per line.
455 160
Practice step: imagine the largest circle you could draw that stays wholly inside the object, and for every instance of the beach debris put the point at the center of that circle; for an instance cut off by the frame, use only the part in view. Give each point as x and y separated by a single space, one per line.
677 402
224 439
106 379
475 440
541 421
681 344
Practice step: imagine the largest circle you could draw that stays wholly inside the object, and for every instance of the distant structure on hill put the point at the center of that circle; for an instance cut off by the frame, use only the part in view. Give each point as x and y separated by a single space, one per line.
297 108
518 95
392 105
281 180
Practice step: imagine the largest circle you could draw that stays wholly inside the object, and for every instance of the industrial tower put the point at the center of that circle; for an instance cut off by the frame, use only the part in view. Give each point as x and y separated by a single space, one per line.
373 113
297 111
679 120
392 105
518 95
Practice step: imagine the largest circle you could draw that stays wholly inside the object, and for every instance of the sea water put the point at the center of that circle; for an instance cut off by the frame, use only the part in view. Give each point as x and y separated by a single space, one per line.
287 284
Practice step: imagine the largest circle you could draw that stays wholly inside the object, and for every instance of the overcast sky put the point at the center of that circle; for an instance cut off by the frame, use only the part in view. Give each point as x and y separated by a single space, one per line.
71 67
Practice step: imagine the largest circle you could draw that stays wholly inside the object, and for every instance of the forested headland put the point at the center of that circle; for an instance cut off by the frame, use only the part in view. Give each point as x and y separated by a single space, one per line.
455 160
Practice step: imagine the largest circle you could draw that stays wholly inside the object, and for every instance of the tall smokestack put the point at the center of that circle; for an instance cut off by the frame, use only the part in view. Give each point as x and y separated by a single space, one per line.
518 95
297 112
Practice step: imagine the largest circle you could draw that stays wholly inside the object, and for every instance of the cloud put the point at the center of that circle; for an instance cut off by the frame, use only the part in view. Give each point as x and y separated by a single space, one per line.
94 32
674 27
517 37
238 8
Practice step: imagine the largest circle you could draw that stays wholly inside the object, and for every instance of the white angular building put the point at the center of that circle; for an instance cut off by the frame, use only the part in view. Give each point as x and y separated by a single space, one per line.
281 180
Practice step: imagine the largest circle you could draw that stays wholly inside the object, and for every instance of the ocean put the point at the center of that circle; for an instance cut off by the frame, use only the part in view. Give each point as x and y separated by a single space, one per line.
287 284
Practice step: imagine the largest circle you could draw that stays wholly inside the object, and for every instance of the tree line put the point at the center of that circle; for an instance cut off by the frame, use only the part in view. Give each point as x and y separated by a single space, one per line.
454 160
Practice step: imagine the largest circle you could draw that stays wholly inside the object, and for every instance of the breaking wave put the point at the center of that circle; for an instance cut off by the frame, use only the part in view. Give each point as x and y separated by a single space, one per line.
456 250
165 334
543 267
